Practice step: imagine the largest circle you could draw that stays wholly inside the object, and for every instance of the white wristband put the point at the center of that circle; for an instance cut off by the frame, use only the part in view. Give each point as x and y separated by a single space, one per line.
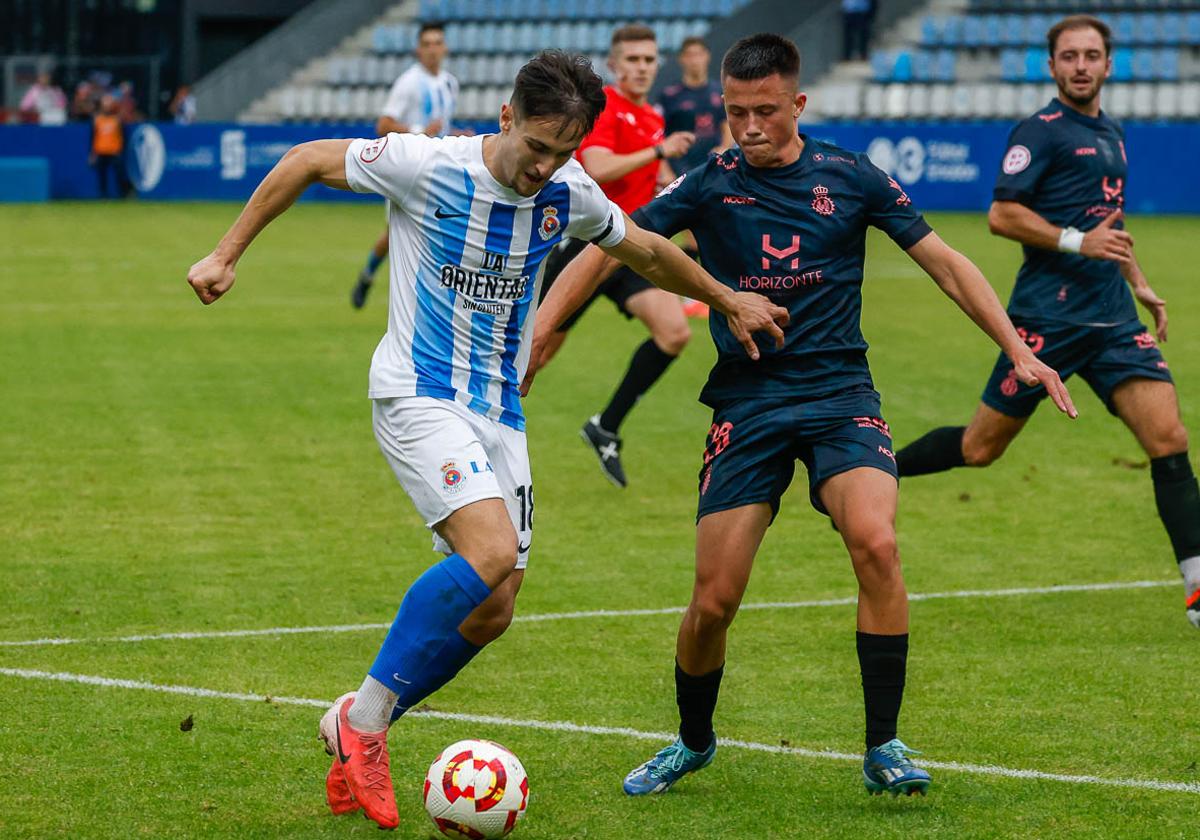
1070 241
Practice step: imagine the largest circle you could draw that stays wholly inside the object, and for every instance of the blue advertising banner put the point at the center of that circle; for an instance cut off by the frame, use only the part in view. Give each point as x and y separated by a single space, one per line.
943 166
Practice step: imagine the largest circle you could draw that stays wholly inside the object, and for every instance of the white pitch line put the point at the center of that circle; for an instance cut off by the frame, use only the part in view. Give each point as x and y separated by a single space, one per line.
619 731
565 616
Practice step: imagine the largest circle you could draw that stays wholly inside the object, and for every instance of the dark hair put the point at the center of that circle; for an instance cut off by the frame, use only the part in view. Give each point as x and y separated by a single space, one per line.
692 41
430 26
632 32
562 85
761 55
1079 22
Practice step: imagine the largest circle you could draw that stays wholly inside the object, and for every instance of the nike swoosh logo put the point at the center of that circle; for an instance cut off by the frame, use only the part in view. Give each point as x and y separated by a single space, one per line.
522 548
400 679
337 729
441 215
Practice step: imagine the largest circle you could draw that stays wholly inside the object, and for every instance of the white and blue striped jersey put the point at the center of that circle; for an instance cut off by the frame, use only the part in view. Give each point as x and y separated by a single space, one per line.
418 97
467 258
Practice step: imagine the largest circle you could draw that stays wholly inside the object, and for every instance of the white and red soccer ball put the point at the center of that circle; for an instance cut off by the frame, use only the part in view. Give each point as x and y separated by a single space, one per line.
476 790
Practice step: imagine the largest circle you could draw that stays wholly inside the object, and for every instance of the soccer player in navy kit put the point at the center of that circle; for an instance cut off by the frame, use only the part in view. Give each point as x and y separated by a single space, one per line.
787 216
1064 174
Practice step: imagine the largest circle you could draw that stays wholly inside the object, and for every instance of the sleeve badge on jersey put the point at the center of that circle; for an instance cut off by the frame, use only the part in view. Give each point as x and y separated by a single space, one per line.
1016 160
550 223
670 188
371 152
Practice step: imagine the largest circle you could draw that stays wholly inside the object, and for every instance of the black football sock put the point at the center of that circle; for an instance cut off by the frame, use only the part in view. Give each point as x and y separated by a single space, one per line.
938 450
1178 498
882 660
646 366
697 699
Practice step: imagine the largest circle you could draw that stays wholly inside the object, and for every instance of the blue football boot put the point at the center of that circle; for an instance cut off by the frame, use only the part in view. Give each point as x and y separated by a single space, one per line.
888 768
668 766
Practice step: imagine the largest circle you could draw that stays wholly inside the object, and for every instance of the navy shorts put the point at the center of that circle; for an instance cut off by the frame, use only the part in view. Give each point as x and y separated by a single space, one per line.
753 445
619 288
1104 356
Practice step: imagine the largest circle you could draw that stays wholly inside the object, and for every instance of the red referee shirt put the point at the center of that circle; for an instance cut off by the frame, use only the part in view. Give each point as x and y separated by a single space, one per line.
623 127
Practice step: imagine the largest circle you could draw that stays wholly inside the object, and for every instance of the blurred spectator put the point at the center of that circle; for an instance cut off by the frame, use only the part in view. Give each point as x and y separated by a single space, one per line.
183 106
856 28
127 104
108 143
44 102
85 101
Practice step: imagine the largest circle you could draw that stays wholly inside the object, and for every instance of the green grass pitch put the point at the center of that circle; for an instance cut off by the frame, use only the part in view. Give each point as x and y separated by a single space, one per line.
169 467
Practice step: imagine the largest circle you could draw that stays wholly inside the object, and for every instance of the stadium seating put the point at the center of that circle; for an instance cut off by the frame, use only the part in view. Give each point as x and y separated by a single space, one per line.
987 60
489 40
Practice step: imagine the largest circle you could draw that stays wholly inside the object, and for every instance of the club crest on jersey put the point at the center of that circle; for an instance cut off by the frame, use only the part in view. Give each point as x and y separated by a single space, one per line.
550 224
371 151
821 202
1016 160
452 477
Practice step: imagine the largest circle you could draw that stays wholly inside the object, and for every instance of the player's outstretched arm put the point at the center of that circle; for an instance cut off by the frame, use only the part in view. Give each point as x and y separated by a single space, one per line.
665 265
1156 306
1014 220
965 284
303 166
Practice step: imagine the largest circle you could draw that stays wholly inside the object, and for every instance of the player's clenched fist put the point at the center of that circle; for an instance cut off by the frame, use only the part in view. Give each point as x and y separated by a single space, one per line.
210 278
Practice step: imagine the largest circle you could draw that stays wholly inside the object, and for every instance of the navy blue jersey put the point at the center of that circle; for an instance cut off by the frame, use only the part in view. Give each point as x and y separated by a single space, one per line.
796 234
697 109
1070 170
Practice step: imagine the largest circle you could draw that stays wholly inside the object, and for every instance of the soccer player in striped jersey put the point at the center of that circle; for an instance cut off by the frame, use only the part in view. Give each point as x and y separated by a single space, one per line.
421 101
470 222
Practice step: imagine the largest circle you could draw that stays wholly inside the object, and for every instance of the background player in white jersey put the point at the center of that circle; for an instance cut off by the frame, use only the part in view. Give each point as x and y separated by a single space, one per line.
471 220
421 101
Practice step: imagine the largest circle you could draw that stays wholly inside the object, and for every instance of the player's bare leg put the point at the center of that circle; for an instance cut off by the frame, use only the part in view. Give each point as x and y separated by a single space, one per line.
412 660
862 503
978 444
662 313
726 542
988 435
379 252
1150 408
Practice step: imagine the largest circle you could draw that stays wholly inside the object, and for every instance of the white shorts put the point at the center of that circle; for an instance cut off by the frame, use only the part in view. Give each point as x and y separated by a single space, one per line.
447 456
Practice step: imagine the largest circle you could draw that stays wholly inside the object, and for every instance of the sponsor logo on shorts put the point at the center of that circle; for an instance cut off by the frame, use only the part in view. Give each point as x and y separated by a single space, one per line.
1035 341
1017 159
875 423
453 478
1162 365
883 450
1145 341
477 469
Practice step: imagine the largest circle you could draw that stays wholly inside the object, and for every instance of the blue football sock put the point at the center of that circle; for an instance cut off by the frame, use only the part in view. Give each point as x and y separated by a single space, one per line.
452 658
373 263
430 613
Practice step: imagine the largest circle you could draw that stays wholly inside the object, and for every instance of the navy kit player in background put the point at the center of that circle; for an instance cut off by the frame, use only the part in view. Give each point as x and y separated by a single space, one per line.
787 216
694 104
1059 193
471 220
421 101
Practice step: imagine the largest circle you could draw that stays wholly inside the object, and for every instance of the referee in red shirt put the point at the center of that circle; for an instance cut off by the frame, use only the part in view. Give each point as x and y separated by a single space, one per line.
625 154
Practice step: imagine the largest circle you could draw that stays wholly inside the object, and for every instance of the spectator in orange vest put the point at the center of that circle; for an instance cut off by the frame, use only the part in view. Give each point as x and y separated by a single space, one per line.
108 143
